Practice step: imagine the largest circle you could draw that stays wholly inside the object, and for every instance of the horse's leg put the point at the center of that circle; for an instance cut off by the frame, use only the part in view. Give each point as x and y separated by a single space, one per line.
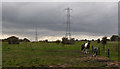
88 50
95 54
85 51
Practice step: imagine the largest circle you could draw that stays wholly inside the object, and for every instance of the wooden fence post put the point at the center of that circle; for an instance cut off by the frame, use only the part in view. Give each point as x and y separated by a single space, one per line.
108 53
92 49
99 50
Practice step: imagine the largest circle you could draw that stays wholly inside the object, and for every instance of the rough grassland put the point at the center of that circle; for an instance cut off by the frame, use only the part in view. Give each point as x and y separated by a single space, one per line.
55 55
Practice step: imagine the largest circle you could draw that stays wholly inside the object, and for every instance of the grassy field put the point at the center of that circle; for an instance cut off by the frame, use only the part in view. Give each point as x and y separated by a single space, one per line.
55 55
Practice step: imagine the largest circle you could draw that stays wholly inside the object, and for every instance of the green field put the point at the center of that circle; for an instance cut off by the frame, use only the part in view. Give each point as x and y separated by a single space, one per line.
43 54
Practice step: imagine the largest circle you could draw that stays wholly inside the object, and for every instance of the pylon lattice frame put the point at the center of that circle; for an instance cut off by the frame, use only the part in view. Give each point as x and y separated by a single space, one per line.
68 34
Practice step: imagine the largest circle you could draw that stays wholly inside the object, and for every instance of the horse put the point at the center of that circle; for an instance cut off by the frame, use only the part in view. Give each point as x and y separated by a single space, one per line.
95 50
85 46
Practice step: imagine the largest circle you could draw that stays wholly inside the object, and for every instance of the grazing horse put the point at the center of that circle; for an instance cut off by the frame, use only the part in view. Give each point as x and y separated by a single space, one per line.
85 46
95 51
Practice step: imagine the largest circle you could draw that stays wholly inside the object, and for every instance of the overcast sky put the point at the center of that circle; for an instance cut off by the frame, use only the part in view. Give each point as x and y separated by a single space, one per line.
89 20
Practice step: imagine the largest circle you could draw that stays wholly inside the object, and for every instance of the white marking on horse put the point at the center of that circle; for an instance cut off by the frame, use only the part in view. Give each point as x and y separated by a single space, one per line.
86 45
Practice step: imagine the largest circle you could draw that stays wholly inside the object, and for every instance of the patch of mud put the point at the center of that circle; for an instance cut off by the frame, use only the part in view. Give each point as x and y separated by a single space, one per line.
116 64
59 65
90 59
98 59
102 59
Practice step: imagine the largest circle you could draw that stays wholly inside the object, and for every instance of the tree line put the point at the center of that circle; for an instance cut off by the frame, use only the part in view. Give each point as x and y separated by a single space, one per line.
16 40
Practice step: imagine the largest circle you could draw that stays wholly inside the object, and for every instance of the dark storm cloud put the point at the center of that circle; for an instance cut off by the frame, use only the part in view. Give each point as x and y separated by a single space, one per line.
100 18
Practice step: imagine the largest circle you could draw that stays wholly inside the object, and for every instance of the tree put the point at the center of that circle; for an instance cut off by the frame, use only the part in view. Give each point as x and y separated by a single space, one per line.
114 38
68 41
72 41
46 40
104 41
13 40
85 40
4 40
58 41
77 40
26 40
20 40
98 40
92 39
108 39
65 40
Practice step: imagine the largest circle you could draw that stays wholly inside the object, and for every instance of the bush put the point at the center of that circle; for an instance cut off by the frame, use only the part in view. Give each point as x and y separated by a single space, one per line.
26 40
104 40
72 41
98 40
114 38
67 41
46 40
13 40
93 40
58 41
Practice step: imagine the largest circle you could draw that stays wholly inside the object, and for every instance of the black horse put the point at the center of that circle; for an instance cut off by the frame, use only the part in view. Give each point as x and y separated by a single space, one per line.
85 46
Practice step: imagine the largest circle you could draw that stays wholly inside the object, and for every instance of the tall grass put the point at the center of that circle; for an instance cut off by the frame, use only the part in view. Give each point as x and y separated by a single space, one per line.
42 53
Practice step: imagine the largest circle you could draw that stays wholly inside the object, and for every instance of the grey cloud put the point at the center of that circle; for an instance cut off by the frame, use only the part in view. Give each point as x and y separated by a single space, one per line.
100 18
